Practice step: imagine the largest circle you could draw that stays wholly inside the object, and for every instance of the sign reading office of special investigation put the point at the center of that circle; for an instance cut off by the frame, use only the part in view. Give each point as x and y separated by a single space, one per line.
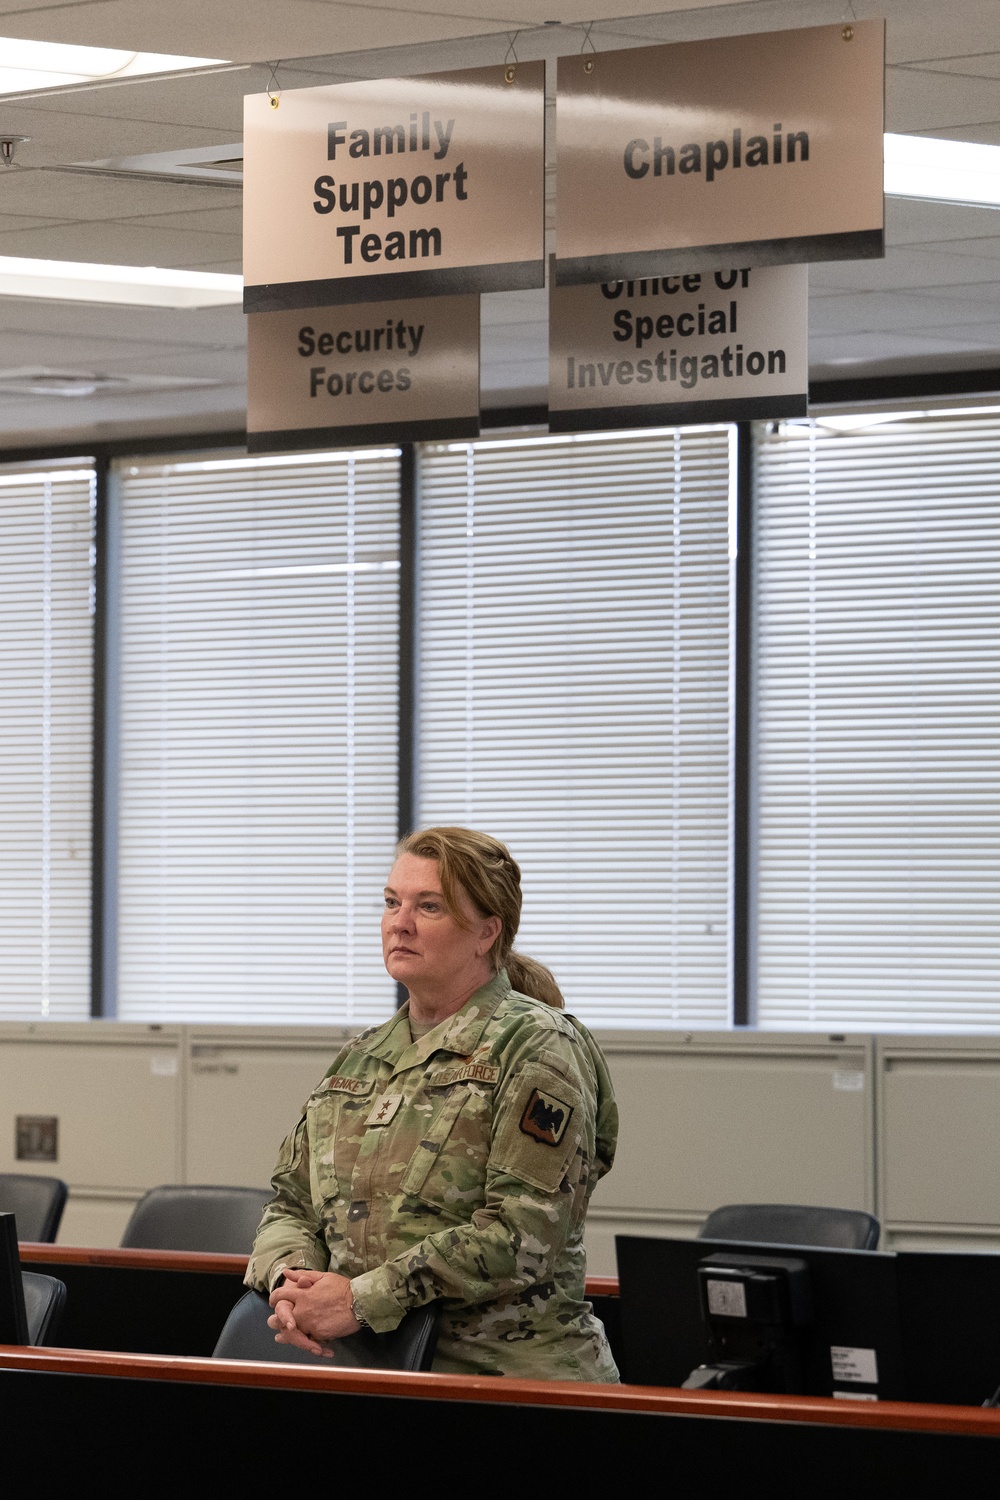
702 346
369 373
397 187
764 149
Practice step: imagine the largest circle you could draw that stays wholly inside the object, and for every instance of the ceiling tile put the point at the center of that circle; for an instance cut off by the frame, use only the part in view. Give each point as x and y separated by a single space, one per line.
909 221
72 195
889 312
222 326
919 101
975 65
249 30
112 242
907 267
212 220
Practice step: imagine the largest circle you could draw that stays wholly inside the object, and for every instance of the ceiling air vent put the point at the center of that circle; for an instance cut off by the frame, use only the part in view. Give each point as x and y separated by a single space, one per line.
212 166
39 381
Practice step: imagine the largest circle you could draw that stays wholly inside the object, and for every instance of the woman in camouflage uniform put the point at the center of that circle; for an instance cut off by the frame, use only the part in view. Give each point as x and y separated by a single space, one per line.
450 1154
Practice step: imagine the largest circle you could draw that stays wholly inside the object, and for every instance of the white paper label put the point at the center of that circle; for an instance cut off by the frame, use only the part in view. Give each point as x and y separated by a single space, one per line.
163 1064
727 1299
854 1364
850 1080
855 1396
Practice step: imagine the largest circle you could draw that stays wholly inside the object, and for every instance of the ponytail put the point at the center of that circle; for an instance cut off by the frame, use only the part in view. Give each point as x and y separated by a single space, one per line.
529 977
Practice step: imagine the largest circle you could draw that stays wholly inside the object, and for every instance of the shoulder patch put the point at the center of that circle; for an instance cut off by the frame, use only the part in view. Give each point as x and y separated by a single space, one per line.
546 1117
339 1084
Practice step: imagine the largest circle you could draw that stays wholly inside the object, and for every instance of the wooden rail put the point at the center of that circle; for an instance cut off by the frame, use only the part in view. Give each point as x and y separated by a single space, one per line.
34 1254
898 1415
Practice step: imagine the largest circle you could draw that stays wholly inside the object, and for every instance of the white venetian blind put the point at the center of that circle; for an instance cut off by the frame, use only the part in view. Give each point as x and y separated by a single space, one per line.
46 675
574 701
258 737
878 728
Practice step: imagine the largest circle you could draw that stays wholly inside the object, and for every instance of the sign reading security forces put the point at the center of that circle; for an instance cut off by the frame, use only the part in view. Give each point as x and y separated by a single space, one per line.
369 373
695 347
395 187
762 149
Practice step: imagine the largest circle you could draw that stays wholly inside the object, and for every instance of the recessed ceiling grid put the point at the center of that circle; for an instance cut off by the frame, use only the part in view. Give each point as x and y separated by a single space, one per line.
933 304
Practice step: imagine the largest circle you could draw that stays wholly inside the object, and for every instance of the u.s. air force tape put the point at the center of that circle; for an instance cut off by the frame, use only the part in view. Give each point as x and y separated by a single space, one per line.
546 1117
474 1072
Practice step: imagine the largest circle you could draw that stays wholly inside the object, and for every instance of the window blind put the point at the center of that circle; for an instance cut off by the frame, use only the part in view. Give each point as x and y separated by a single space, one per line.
574 609
878 724
46 674
258 737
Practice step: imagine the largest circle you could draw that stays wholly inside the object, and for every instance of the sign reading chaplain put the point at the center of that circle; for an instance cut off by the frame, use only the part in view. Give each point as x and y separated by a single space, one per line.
702 346
763 148
371 373
398 187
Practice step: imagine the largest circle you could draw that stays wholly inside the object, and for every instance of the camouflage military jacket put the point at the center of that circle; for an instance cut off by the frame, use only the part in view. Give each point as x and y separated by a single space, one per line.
457 1167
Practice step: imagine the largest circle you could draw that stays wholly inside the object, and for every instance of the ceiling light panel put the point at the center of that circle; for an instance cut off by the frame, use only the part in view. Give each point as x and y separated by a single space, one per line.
27 66
136 286
921 166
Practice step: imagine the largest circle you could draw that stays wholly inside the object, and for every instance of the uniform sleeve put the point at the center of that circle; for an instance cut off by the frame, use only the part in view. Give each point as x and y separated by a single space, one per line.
542 1164
290 1233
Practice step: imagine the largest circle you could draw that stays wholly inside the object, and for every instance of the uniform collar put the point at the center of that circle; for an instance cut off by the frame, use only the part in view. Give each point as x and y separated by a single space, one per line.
459 1034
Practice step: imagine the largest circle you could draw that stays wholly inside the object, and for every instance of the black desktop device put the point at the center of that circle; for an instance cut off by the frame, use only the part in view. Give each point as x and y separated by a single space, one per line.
736 1315
13 1318
949 1312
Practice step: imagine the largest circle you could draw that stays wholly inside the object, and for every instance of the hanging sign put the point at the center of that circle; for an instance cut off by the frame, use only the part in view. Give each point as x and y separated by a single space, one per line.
398 187
764 149
371 373
698 346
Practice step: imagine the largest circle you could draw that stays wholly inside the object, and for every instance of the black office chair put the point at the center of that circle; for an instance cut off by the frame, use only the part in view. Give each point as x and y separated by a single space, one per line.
409 1347
220 1219
44 1301
38 1203
792 1224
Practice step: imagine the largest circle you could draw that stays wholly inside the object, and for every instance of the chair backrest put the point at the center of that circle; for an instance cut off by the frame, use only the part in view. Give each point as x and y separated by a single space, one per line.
38 1203
220 1219
408 1347
44 1301
792 1224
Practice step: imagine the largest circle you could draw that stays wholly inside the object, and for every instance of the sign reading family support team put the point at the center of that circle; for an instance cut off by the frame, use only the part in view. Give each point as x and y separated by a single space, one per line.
398 187
764 148
700 346
370 373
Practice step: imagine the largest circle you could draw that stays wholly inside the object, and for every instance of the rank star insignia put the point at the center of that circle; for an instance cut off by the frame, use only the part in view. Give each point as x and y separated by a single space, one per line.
545 1118
384 1109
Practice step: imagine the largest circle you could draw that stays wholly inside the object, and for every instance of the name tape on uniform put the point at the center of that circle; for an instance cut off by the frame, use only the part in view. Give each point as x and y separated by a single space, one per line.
341 1085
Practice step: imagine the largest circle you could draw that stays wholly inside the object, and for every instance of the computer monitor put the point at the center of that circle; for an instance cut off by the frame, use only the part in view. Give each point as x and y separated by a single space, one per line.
949 1310
824 1322
13 1318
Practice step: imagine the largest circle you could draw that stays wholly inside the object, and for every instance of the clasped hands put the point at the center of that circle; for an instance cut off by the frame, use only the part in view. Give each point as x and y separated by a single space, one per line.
311 1309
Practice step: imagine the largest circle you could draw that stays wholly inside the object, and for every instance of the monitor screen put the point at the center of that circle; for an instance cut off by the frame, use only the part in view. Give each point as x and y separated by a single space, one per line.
846 1334
949 1308
13 1320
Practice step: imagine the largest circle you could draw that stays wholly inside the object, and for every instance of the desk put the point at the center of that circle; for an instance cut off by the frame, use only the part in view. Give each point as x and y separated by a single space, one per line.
174 1301
173 1421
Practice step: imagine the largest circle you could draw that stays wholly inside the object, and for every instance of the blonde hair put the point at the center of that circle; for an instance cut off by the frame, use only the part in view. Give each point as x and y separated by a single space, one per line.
490 876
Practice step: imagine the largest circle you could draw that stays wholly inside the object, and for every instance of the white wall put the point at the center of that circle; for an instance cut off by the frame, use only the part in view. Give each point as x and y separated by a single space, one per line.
898 1125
